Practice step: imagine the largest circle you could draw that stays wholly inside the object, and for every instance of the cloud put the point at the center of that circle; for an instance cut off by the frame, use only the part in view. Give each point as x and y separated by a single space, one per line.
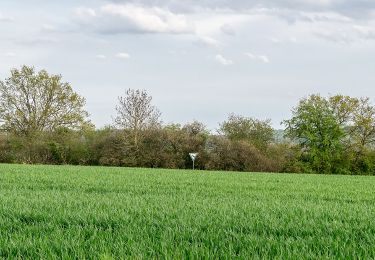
5 18
223 61
208 21
228 29
122 55
208 41
49 28
152 19
264 58
35 41
126 18
352 8
101 57
366 32
335 35
346 33
9 54
261 58
85 13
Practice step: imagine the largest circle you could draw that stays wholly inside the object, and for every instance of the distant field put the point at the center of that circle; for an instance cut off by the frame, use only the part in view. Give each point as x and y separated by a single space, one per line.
96 212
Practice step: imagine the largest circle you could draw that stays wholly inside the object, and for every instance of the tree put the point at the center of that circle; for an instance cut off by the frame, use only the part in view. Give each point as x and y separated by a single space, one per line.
32 102
195 128
362 133
240 128
343 108
136 113
336 134
317 129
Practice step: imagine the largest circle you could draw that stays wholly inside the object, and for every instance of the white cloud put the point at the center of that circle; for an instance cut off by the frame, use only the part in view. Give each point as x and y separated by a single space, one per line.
223 61
365 31
205 25
293 39
48 28
208 25
5 18
264 58
217 22
125 18
101 56
85 13
261 58
122 55
9 54
209 41
274 39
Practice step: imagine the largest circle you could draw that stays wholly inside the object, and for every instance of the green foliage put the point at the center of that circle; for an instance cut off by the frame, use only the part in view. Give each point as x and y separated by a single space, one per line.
315 126
66 212
33 102
336 134
240 128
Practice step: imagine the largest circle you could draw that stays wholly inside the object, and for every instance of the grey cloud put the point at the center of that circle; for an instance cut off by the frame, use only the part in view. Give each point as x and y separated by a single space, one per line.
359 9
158 16
347 34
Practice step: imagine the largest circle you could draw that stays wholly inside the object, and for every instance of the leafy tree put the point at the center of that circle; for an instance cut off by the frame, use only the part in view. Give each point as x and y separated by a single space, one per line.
356 117
136 113
32 102
343 108
317 129
240 128
362 133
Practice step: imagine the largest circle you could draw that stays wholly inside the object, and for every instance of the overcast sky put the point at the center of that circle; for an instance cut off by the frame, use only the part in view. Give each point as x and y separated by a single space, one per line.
198 59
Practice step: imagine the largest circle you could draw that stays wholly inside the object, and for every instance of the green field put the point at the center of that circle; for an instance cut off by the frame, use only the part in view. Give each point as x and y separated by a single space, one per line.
97 212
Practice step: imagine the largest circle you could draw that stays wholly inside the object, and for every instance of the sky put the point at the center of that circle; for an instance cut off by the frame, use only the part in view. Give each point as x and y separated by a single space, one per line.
199 60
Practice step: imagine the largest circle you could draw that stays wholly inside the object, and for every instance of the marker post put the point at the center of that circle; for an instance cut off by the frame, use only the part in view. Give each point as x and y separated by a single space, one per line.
193 156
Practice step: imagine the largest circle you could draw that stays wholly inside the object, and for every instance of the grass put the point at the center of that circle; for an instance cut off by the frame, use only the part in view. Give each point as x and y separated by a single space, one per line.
96 212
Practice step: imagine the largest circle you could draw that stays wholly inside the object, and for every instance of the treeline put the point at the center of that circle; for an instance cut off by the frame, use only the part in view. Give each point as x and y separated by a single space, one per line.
164 147
44 121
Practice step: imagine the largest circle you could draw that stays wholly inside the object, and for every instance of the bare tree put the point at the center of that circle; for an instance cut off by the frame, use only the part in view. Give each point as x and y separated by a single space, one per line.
33 102
136 113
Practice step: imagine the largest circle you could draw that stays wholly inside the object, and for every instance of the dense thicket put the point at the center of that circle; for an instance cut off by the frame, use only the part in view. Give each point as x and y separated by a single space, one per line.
166 147
43 121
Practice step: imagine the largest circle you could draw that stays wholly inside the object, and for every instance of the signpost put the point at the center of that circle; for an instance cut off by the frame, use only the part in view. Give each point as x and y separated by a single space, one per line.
193 156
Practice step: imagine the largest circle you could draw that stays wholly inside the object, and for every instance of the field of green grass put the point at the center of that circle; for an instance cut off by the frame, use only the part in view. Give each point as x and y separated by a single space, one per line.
97 212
